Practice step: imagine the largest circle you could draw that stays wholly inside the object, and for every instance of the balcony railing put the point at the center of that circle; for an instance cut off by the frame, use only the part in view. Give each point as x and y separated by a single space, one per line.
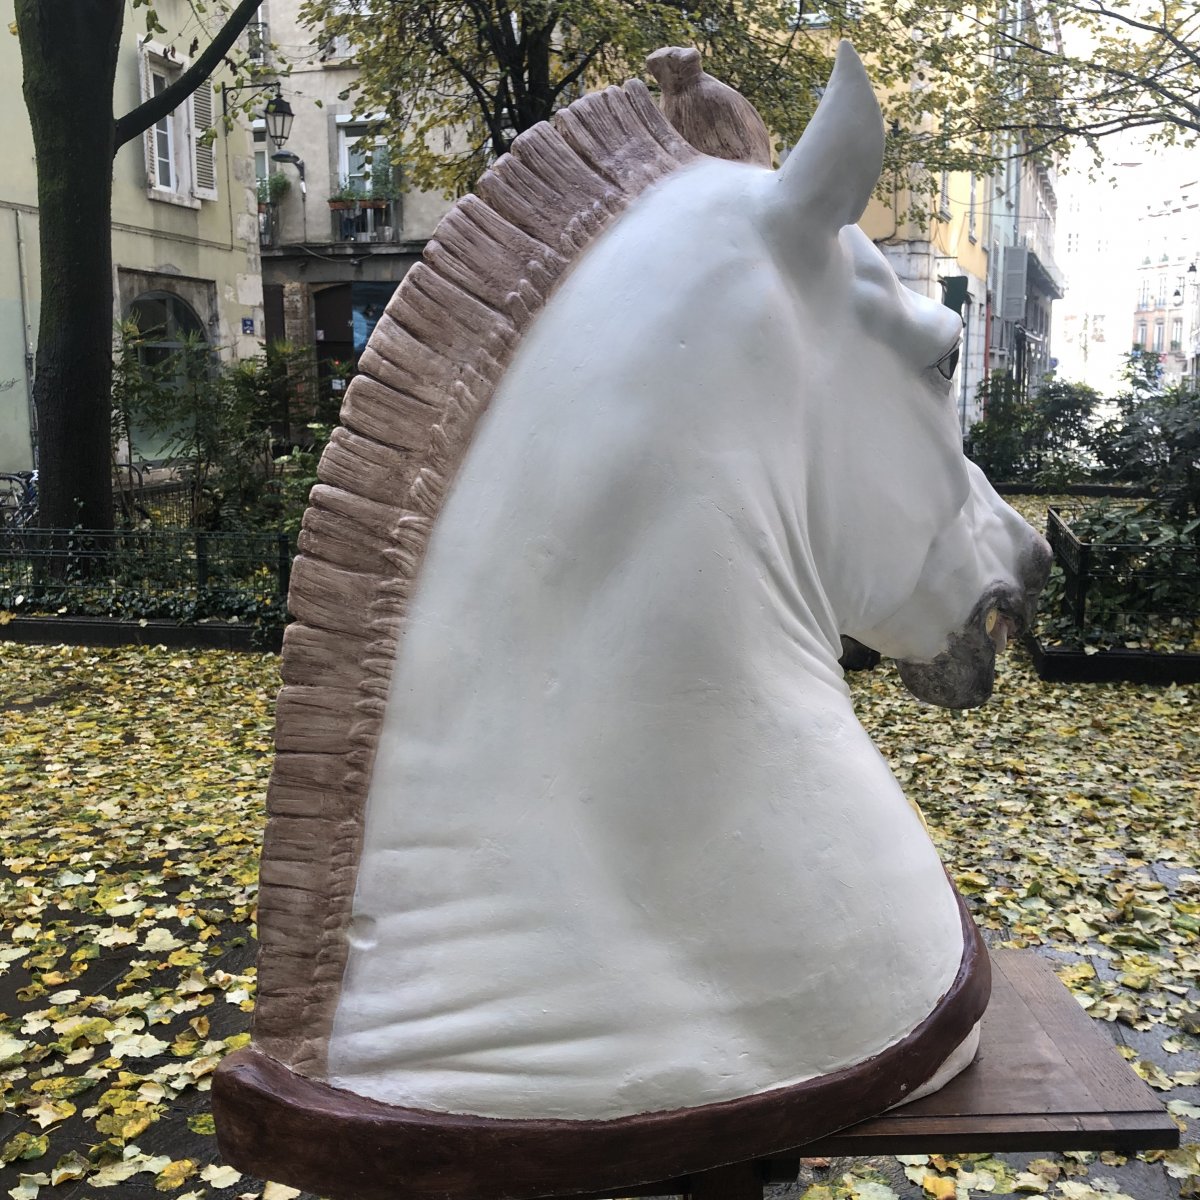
268 225
1042 248
258 41
365 220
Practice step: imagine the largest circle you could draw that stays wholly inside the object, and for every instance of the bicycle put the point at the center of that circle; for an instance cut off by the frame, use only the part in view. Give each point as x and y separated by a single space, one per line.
18 499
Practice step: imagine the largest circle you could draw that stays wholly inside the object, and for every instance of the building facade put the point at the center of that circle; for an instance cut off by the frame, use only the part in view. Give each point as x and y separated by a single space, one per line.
184 223
1166 280
1025 280
341 233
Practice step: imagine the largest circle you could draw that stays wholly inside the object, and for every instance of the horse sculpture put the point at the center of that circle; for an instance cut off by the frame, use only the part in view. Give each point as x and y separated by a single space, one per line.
580 871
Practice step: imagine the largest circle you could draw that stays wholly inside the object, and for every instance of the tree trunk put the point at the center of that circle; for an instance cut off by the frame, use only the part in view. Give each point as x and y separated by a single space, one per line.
69 54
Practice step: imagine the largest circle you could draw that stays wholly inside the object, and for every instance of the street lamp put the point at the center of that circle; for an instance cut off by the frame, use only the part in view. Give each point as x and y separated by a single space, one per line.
287 156
279 116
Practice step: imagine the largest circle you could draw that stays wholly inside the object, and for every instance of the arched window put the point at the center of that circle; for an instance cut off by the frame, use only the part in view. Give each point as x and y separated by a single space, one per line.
172 352
166 324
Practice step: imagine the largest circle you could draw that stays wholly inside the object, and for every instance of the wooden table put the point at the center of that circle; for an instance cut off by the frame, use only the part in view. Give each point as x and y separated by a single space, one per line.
1046 1078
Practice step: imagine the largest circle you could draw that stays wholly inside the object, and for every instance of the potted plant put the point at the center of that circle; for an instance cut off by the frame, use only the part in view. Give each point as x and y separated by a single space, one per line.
272 189
347 194
382 189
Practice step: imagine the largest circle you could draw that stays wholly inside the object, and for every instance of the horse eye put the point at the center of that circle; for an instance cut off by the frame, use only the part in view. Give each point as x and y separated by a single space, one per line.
947 364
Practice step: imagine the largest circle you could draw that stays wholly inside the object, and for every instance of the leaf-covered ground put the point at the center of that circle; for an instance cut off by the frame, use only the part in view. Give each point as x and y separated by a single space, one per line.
131 786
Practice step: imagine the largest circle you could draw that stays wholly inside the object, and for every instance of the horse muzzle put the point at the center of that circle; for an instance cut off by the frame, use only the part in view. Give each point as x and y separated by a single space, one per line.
964 674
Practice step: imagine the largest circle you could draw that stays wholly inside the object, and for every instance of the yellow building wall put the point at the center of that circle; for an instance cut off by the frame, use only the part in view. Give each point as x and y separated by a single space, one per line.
959 237
206 252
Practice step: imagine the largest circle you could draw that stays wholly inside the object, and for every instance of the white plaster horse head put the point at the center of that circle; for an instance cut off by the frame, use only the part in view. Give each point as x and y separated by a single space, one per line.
581 871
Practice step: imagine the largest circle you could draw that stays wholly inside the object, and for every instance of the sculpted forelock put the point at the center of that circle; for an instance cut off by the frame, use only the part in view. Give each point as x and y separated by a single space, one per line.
428 373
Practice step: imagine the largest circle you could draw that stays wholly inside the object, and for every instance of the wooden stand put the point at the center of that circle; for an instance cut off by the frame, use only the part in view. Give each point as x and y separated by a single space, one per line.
1046 1078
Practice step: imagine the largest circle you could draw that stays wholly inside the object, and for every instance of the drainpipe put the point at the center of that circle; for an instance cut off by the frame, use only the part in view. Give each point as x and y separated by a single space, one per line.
27 332
987 336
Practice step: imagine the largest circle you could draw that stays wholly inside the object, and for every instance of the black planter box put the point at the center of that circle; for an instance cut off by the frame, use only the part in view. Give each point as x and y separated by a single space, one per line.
1112 666
104 631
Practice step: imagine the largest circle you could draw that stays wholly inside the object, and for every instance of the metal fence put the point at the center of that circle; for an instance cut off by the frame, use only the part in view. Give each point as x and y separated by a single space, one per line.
171 504
1124 588
179 574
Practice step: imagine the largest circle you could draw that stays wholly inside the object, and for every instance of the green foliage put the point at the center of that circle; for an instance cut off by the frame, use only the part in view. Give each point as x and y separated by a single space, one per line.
273 188
178 575
1135 64
998 441
1154 438
1150 436
300 476
456 83
1043 438
223 427
1135 581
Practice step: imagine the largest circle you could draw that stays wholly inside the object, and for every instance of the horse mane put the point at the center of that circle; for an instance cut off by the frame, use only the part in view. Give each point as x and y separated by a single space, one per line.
428 374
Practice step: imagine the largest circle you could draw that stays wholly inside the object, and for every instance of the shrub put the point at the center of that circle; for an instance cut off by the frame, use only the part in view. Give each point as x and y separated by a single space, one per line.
226 428
1041 438
1154 437
1140 575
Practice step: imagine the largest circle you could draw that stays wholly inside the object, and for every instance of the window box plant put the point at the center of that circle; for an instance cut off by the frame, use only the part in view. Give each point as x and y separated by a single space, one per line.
272 190
347 194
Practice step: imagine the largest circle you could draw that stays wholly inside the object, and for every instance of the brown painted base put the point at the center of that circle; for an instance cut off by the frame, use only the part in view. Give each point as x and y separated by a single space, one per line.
279 1125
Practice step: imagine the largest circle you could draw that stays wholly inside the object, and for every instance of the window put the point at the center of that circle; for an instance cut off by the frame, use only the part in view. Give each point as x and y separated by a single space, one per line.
164 140
258 41
356 149
366 202
364 161
1158 337
262 164
1161 293
174 350
1144 294
1139 342
268 211
338 45
181 162
971 212
1177 333
815 16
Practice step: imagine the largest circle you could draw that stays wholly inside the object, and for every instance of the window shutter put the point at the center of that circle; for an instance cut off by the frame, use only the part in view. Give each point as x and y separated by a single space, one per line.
148 136
1012 297
204 166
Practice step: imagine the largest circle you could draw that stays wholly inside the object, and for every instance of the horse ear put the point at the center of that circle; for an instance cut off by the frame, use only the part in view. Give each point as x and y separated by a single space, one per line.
828 178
